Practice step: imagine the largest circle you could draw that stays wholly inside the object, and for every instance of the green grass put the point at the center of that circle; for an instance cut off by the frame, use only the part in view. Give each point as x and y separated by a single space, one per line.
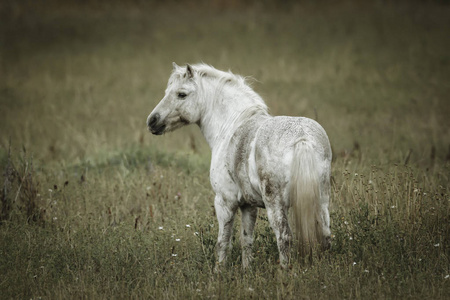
85 187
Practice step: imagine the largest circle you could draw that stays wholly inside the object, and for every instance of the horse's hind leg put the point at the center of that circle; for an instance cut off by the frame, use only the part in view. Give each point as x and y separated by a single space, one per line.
225 217
324 213
249 214
277 214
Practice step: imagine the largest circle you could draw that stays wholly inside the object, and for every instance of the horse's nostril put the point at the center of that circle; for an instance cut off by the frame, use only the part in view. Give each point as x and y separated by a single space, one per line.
154 120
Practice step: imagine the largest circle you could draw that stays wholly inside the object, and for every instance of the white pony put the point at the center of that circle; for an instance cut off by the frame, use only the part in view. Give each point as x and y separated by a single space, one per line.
257 160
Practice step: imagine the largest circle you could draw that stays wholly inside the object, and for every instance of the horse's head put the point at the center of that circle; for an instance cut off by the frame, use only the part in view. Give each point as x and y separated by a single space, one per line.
179 106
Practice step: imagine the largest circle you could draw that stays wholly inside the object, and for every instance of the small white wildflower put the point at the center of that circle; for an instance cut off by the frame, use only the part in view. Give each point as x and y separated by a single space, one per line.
393 206
55 218
177 240
251 289
424 194
188 226
436 245
416 190
356 174
160 228
447 276
366 271
370 182
50 190
345 222
196 233
354 263
174 254
350 238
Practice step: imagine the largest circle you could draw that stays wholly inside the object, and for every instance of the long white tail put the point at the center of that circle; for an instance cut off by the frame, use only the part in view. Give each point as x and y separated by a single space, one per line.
305 198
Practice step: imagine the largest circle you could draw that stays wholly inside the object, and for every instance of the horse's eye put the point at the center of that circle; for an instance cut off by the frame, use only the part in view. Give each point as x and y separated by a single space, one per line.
181 95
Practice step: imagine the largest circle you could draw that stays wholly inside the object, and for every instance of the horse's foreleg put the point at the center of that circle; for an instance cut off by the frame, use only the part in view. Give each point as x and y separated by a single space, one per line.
279 222
225 216
249 214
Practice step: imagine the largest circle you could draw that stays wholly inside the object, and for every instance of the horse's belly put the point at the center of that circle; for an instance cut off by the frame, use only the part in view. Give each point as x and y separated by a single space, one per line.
249 196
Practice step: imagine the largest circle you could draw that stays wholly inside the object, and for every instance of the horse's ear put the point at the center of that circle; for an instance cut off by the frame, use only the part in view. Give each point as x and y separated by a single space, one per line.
189 71
175 66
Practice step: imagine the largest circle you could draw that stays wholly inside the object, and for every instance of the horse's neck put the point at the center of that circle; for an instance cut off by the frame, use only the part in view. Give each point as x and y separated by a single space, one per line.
227 113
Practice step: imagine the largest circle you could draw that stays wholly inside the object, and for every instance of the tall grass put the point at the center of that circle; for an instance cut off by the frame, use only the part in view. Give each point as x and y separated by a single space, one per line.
93 206
126 230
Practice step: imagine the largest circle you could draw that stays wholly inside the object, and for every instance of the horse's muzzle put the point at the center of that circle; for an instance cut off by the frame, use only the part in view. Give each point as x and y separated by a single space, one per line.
154 126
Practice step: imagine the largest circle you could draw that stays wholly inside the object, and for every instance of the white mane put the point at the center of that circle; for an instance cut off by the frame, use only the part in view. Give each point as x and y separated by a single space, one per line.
205 71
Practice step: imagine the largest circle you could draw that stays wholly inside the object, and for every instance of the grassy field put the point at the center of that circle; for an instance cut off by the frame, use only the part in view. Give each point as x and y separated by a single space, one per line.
93 206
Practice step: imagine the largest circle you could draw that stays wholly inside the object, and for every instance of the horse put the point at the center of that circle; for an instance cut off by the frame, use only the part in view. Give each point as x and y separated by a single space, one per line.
257 161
